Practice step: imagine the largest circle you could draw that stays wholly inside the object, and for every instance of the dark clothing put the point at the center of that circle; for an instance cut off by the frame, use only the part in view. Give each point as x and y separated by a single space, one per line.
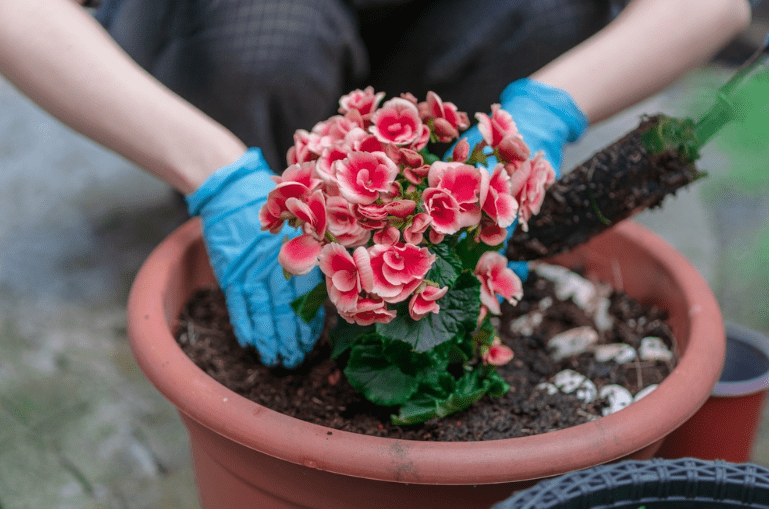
266 68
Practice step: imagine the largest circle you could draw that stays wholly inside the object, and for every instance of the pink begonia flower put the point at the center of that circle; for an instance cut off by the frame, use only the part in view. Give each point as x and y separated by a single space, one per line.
461 150
324 167
497 354
368 311
490 233
360 140
467 184
300 255
447 119
343 224
435 237
399 269
497 126
300 152
346 275
416 175
297 182
400 208
497 279
274 213
528 185
500 205
364 101
424 302
414 232
372 216
443 210
398 122
363 175
387 236
310 214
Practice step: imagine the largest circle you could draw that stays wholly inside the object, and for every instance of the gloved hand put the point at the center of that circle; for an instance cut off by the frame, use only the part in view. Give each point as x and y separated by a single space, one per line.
547 118
245 262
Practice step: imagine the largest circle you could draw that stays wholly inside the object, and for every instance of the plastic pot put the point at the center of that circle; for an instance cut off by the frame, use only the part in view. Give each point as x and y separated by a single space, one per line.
246 456
656 484
726 425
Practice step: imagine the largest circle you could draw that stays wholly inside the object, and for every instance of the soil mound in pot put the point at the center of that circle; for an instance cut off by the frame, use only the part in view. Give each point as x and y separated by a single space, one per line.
318 392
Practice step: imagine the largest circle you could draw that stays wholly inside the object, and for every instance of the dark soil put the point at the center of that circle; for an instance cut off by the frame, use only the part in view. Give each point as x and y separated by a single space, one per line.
615 183
318 392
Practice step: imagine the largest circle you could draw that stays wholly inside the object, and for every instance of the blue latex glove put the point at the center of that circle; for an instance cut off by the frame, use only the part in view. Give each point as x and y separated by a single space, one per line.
547 118
245 262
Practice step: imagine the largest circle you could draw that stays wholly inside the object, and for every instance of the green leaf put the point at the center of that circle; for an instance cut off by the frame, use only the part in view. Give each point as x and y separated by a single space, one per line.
373 375
458 315
471 387
470 251
307 305
446 268
344 334
428 156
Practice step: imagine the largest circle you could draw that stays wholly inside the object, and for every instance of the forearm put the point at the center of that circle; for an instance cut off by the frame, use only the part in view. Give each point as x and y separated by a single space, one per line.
56 54
650 45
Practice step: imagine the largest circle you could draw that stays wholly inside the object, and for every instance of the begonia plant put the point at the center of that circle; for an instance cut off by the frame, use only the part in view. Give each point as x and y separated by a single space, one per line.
409 244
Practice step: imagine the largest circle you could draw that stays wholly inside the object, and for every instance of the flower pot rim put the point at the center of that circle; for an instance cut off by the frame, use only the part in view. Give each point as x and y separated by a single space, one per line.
214 406
741 388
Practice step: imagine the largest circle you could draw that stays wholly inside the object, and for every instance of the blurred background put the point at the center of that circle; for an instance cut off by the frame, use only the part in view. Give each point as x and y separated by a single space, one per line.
80 427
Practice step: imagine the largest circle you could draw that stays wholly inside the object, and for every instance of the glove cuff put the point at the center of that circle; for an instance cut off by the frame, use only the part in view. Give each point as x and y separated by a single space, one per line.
247 163
558 102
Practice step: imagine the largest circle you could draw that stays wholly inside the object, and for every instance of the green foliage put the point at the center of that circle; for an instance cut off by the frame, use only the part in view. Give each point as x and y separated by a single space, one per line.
307 305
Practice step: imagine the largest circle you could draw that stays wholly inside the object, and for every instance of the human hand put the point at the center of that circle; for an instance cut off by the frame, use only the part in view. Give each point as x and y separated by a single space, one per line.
245 262
547 118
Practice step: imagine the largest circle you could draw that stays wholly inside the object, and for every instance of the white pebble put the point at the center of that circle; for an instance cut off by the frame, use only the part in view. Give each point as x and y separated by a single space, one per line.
568 380
526 324
645 392
587 392
653 349
618 352
568 284
547 386
616 396
572 342
601 316
545 303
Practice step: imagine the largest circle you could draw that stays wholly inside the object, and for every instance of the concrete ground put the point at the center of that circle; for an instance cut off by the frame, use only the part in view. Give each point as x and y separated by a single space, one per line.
80 427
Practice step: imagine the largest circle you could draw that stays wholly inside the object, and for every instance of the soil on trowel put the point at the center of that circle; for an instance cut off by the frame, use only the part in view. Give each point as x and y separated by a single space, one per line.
318 392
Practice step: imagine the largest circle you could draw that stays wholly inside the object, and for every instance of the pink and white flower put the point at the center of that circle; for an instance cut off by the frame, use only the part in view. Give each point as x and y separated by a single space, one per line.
300 255
443 210
424 301
343 223
398 122
497 279
497 354
467 184
499 204
399 269
528 185
413 233
500 132
364 101
346 275
368 311
446 117
362 176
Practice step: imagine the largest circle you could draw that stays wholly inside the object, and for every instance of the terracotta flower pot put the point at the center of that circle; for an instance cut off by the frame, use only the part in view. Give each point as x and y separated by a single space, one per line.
725 427
248 456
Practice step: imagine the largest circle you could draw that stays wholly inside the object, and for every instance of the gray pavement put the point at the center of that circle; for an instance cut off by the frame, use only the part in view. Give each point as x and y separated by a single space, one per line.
80 427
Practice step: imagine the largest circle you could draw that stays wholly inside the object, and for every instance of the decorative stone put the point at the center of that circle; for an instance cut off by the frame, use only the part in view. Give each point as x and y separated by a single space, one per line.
547 386
601 315
526 324
645 392
587 392
572 342
617 352
616 396
568 284
568 380
654 349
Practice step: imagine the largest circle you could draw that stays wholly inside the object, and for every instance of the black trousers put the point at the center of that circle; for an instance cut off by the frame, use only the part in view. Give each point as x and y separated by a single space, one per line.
266 68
